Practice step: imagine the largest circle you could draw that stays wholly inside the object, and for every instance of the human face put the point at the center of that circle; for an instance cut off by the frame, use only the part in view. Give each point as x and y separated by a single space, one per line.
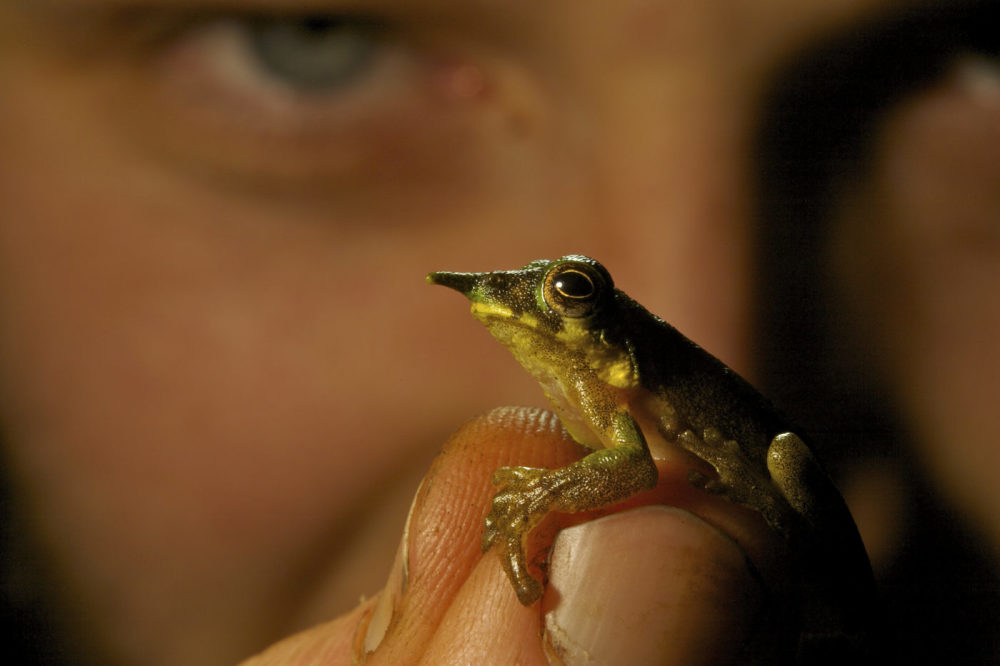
220 368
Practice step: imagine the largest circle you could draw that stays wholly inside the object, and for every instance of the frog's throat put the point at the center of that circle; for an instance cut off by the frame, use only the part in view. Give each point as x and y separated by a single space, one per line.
542 351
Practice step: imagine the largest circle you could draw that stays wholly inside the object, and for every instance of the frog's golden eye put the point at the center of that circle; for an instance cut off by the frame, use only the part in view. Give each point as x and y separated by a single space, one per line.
571 290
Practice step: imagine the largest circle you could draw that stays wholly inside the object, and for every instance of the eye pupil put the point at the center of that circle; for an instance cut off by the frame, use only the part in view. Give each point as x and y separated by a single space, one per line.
574 284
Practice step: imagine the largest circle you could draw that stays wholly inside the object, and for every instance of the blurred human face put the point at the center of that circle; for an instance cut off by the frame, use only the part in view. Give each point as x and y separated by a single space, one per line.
220 368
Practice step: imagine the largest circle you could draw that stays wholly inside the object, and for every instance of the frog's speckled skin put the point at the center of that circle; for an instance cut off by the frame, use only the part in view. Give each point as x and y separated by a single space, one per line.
622 380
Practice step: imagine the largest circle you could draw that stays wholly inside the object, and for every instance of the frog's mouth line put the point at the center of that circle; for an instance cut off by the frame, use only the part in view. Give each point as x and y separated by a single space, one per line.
495 312
509 327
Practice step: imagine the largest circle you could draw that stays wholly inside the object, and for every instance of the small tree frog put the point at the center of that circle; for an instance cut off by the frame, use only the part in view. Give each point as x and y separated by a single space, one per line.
622 380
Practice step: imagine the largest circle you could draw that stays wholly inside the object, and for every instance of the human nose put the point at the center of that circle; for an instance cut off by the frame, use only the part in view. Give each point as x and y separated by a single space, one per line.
664 176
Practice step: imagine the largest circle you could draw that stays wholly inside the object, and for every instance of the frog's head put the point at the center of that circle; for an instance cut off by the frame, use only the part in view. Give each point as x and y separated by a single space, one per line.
549 313
546 296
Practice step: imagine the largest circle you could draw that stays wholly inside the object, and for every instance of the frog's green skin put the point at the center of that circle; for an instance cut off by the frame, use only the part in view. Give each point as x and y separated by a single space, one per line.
617 375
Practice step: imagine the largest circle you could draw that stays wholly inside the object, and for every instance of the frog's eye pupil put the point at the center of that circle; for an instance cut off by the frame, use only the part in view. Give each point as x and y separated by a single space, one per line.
574 284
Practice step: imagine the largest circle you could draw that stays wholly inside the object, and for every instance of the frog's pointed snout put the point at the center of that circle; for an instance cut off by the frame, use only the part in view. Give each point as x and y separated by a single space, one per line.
461 282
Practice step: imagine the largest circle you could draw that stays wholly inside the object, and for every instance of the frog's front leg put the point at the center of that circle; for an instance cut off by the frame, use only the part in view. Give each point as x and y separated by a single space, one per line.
528 494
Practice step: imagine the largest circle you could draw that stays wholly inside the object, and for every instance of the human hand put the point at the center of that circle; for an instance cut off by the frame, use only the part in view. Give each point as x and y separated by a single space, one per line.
653 584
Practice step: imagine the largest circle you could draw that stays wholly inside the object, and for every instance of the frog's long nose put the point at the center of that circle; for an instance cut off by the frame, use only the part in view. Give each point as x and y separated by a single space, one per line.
462 282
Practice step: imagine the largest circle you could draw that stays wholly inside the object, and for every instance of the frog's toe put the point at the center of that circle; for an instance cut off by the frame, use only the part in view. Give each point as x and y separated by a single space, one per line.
504 522
702 482
523 500
506 526
507 475
697 479
526 586
490 533
529 590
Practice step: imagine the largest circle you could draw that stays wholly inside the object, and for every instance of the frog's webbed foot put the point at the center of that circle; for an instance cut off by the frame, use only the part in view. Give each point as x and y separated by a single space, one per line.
519 505
739 480
526 495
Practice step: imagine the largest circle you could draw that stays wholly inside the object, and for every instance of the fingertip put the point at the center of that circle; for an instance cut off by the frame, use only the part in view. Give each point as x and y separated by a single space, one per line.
649 585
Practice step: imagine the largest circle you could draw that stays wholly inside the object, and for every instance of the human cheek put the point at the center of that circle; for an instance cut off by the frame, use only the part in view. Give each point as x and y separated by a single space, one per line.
925 261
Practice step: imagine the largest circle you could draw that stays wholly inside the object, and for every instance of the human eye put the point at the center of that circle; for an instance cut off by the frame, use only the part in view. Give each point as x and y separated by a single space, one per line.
273 89
267 94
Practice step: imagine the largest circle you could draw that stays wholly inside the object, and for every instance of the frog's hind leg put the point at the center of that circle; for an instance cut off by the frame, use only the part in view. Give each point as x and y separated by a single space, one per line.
808 489
838 587
739 480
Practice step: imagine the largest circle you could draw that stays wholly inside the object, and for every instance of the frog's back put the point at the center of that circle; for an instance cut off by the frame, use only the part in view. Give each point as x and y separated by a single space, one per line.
705 392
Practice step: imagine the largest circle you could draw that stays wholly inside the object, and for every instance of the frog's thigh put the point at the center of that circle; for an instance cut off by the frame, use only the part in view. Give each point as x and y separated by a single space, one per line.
794 470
